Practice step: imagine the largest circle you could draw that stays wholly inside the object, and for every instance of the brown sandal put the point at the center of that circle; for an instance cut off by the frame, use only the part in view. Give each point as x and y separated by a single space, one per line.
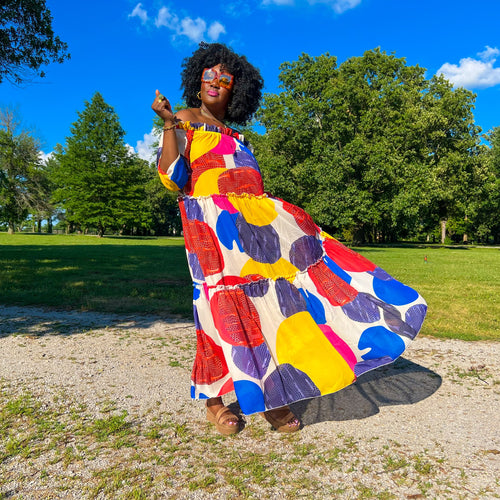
220 420
282 419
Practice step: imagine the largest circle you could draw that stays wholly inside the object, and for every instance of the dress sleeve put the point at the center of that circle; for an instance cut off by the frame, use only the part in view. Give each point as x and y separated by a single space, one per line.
177 174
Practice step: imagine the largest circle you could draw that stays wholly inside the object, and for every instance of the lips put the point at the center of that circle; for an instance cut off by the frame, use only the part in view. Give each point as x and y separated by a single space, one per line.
213 93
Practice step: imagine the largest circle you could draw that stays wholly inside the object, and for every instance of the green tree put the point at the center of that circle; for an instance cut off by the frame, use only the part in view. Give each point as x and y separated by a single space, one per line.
20 182
486 207
494 194
100 184
163 206
44 209
371 148
27 41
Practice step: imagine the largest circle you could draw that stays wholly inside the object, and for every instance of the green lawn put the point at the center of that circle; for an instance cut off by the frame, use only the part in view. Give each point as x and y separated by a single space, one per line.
461 287
123 275
133 275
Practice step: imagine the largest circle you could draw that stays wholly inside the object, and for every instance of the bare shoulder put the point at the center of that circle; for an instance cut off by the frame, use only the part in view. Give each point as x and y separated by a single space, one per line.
188 114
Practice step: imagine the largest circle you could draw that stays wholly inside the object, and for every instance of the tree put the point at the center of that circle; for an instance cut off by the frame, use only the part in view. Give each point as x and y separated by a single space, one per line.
43 208
100 183
162 204
27 41
485 213
370 148
20 183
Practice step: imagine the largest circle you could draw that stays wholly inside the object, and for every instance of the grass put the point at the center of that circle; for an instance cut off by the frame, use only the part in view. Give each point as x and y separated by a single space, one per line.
150 276
461 287
122 275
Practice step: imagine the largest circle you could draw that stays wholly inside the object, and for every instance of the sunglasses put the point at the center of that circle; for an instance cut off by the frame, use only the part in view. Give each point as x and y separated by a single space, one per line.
226 80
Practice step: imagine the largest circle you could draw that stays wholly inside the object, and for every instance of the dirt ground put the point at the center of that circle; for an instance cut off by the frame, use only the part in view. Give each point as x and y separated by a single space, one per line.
426 426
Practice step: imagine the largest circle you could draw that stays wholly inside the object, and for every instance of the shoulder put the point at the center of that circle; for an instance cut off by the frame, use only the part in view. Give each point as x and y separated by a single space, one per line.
188 114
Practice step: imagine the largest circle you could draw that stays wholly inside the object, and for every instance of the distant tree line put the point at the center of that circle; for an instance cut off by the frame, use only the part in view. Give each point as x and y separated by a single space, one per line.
92 184
371 148
376 152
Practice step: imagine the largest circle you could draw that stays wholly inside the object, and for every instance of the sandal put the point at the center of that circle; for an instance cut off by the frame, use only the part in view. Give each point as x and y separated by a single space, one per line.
221 419
282 419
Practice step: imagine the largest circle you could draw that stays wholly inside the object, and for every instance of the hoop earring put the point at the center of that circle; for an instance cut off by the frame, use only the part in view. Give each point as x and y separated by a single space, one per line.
198 95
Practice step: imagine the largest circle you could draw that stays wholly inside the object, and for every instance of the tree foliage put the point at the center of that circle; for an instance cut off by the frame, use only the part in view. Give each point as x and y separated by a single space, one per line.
100 184
485 213
370 148
21 181
27 40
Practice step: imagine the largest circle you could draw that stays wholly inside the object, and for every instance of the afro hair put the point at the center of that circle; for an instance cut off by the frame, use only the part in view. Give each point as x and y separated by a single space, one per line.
248 83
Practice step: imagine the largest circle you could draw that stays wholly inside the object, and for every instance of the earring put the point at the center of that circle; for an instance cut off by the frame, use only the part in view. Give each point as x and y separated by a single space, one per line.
198 95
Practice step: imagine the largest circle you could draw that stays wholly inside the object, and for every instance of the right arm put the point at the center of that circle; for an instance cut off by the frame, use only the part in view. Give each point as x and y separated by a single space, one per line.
172 166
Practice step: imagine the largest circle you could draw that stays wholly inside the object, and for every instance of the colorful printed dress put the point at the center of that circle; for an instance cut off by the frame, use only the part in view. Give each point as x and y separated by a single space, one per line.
282 310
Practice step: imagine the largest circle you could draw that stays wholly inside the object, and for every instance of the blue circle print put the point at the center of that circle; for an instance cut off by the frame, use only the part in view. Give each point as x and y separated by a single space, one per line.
250 396
394 292
381 342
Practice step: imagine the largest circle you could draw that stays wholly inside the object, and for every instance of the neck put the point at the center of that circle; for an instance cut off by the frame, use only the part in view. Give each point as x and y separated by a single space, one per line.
218 117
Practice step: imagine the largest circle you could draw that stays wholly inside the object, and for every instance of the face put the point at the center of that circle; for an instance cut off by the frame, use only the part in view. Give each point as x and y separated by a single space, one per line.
216 86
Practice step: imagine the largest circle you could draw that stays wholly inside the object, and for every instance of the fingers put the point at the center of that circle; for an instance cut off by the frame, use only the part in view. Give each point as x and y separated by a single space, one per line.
161 106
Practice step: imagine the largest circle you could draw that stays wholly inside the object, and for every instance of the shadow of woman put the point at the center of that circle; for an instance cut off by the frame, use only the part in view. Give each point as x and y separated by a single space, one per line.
400 383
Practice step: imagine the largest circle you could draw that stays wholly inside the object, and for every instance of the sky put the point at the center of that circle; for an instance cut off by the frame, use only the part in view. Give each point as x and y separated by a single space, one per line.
126 49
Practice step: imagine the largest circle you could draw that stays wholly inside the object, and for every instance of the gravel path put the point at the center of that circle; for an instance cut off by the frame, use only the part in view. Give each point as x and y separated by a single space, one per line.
425 427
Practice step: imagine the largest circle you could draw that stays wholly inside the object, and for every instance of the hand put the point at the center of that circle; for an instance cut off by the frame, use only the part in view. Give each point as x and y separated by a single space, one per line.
161 106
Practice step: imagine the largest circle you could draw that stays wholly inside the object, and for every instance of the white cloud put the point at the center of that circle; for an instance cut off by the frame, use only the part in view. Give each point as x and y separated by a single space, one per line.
339 6
140 13
489 53
278 2
144 148
215 30
194 30
474 73
166 18
44 157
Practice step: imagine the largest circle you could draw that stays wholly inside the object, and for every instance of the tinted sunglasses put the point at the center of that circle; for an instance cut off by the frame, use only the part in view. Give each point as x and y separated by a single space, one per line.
226 80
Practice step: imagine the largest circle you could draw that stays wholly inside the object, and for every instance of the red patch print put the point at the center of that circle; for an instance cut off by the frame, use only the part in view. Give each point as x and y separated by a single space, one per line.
240 180
200 239
346 258
227 387
209 364
236 318
237 280
330 286
302 218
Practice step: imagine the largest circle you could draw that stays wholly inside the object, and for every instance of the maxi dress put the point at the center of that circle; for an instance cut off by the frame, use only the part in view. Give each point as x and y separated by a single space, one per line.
283 311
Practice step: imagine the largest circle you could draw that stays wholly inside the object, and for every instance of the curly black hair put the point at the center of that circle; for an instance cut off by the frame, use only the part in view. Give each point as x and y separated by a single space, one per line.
248 83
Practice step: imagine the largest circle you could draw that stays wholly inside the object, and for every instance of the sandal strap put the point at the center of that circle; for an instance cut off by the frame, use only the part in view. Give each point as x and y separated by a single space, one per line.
225 414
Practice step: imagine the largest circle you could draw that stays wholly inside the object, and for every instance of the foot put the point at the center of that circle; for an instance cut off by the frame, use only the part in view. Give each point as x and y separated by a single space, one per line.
224 420
282 419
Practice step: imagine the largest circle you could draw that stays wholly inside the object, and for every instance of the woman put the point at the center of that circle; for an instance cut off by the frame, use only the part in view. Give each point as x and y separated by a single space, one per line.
283 311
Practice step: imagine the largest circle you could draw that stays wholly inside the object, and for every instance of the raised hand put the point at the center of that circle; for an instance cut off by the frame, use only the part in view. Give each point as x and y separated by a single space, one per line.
161 106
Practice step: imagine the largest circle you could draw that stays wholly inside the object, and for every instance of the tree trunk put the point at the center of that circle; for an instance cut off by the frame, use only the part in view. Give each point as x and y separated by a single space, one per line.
443 230
12 228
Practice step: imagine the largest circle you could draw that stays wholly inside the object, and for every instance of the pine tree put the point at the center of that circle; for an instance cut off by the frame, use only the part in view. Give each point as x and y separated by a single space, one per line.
100 184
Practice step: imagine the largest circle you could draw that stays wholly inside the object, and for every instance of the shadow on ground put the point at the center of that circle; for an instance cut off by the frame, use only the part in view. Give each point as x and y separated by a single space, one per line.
39 322
401 383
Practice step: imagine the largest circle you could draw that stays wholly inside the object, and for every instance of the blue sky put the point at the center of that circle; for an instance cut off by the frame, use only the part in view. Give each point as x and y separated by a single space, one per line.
125 49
